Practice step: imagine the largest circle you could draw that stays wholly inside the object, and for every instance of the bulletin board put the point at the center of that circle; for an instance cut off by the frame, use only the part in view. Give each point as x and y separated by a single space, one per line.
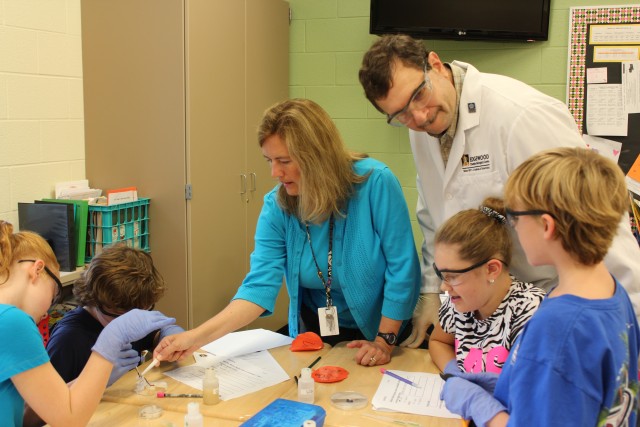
603 85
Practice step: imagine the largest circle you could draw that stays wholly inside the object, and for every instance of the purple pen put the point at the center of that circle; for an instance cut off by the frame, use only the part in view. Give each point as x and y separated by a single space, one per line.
398 377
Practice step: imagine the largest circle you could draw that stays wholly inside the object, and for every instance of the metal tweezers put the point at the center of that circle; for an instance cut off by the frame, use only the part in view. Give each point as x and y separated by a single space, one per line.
143 354
140 376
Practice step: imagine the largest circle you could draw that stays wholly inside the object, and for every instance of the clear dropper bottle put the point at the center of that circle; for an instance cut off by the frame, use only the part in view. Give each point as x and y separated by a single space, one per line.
210 387
306 386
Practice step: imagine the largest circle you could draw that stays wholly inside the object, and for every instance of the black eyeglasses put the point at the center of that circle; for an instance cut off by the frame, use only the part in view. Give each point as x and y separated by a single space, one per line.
455 279
512 216
107 313
58 294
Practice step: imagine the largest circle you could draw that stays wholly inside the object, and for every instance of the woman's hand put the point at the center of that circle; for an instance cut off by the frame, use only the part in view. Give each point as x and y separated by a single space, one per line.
371 353
176 347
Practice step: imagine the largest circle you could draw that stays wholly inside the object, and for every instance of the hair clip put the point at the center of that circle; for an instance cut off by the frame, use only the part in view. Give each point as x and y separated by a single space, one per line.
491 213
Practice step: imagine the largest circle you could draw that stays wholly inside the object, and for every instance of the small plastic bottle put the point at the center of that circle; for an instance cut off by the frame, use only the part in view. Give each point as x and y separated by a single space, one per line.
210 387
193 417
306 386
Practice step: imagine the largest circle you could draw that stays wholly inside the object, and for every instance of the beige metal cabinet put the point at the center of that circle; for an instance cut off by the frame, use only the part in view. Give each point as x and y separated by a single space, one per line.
174 90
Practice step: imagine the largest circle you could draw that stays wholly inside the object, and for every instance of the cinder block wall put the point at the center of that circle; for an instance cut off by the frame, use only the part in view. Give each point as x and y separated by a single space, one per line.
41 109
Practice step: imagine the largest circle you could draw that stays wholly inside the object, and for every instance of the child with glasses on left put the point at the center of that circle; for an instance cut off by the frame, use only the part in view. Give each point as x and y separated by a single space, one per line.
116 281
486 307
29 276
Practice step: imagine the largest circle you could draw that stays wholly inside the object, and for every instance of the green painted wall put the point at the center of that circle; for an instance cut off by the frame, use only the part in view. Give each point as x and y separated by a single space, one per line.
329 37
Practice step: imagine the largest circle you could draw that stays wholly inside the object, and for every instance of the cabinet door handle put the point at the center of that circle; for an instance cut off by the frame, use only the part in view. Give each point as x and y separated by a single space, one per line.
243 183
253 181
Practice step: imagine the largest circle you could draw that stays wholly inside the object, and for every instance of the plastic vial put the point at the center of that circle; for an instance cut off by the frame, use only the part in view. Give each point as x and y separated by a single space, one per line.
306 386
193 417
210 387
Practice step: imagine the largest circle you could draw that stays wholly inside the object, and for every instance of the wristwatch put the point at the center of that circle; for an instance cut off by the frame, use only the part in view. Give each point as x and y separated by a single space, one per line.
388 337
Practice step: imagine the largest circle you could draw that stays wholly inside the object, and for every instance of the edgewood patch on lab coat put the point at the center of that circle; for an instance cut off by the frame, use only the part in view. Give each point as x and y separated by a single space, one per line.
476 163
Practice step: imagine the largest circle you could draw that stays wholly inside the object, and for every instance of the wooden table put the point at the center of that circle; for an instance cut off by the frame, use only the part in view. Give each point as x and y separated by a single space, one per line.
123 415
120 404
365 380
239 409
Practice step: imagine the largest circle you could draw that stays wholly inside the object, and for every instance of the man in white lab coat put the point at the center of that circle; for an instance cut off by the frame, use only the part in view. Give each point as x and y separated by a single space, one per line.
468 130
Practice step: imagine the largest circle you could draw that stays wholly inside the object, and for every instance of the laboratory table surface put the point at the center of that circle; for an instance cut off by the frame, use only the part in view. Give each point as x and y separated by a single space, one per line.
120 405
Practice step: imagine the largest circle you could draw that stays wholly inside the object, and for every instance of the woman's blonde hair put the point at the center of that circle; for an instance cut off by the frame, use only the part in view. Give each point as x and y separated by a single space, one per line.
479 233
327 178
23 245
584 192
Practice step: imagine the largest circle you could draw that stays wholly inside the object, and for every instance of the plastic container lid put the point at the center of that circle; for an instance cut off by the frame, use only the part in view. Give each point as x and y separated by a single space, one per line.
150 412
349 400
329 374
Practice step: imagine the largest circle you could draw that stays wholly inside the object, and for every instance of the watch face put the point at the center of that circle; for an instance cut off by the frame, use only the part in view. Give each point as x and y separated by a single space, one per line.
390 338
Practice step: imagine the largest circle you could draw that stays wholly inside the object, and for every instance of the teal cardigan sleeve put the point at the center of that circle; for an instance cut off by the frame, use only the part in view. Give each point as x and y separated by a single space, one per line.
268 260
383 274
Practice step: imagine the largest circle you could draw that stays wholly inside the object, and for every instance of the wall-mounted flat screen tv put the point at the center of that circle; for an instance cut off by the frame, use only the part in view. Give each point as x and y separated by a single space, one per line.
525 20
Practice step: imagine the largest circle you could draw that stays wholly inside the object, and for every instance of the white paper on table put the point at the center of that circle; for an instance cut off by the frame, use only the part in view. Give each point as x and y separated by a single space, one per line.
396 396
237 375
239 343
605 112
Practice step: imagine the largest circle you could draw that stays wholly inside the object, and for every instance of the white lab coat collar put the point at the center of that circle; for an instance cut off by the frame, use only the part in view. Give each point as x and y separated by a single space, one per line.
468 115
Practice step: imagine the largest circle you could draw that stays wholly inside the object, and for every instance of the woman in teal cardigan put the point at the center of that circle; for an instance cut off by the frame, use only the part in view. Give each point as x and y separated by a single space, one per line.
337 228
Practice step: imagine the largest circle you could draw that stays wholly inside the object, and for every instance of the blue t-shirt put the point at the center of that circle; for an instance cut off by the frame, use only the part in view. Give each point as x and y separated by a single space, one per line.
22 350
575 363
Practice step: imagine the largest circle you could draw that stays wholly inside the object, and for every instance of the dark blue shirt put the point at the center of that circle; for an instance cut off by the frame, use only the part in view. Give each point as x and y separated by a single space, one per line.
72 338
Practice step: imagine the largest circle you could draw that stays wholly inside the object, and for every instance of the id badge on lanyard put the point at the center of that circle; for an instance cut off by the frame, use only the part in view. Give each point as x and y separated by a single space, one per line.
327 316
328 319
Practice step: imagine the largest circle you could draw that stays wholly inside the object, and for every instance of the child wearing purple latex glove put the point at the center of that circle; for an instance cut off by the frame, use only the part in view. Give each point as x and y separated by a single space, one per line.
29 285
117 280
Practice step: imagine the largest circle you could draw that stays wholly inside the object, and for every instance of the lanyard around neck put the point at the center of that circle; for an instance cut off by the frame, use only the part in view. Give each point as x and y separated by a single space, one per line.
327 283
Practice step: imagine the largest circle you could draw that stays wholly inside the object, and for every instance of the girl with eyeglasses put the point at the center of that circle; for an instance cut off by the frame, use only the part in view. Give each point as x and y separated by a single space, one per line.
486 307
28 283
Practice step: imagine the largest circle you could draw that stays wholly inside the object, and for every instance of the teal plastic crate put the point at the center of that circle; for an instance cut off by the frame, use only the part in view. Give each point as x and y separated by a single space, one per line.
125 222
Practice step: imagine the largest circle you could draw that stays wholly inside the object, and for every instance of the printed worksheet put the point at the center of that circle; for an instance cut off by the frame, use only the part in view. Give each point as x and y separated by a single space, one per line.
397 396
238 375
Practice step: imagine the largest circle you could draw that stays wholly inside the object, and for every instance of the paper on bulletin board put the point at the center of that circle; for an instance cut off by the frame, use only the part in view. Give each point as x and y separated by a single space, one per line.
607 147
597 75
631 86
615 34
605 112
615 53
